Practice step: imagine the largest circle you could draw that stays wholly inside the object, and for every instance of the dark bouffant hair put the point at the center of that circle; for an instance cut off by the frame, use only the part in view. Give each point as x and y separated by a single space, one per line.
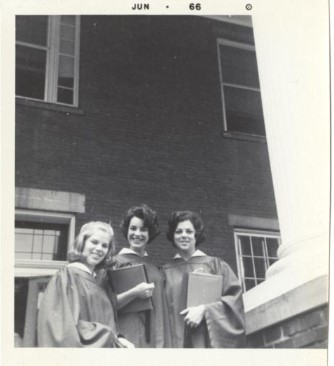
179 216
145 213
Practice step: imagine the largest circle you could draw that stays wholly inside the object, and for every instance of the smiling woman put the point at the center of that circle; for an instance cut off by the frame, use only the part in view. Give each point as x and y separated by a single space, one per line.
137 235
75 311
185 238
150 328
218 324
96 249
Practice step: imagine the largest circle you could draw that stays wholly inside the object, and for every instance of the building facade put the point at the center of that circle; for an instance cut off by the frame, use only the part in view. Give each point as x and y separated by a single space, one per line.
113 111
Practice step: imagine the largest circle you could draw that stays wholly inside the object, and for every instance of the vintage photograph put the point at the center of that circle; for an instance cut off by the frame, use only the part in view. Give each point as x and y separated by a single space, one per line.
172 182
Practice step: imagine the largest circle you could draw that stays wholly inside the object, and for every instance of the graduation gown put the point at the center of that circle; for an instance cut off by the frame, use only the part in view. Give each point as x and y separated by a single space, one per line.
75 312
133 325
223 323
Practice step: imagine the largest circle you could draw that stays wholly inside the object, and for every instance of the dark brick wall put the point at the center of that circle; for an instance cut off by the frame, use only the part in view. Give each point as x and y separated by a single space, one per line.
151 131
308 330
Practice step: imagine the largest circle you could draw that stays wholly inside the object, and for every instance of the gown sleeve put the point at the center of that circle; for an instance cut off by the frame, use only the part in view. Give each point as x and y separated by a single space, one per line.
225 319
59 324
167 335
103 280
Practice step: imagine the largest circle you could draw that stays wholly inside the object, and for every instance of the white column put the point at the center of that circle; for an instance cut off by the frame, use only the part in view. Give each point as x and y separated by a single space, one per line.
293 58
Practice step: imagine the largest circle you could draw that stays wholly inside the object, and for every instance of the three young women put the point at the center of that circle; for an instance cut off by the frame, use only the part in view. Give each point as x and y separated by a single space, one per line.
76 311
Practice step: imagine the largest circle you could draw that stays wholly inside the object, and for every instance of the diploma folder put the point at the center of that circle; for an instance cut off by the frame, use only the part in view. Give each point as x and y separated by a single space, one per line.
202 288
123 279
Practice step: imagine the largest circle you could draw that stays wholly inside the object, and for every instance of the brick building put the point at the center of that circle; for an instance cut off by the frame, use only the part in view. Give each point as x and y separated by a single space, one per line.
113 111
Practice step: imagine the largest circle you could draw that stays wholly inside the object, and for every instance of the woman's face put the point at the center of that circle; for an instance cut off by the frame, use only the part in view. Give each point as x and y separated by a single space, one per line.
96 248
184 237
137 235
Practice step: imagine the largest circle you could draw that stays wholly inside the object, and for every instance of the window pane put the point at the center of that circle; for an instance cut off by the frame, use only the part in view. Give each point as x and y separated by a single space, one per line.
32 29
65 96
66 47
257 246
23 242
47 257
243 110
30 72
66 71
247 102
38 243
48 244
68 19
22 255
245 245
272 260
248 267
67 32
249 284
22 231
36 255
244 124
260 267
272 246
239 66
48 232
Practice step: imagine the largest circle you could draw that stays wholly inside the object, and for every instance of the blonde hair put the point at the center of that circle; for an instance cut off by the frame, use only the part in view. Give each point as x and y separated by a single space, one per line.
86 231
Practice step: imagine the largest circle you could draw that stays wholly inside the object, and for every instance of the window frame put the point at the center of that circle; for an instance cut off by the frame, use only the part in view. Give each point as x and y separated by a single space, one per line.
52 62
248 47
38 267
36 288
267 234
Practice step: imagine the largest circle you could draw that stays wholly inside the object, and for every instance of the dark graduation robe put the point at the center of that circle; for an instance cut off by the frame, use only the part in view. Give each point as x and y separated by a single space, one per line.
133 325
75 311
223 323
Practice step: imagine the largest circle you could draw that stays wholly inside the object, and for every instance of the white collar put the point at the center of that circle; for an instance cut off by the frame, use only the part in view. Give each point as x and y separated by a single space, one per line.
131 251
198 253
81 266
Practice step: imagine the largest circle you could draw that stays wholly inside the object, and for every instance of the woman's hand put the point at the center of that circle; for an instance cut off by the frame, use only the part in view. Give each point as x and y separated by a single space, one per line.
193 315
125 343
144 290
141 291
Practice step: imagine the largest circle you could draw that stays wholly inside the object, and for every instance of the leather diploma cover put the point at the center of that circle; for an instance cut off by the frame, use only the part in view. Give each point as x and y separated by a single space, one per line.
202 288
123 279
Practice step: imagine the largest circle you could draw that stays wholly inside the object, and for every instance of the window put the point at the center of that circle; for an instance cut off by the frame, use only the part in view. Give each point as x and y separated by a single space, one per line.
28 296
240 86
47 58
42 240
256 251
44 230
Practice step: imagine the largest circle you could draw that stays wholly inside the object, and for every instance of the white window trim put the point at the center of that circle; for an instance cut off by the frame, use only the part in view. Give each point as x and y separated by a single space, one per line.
52 62
33 267
243 20
250 232
246 47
